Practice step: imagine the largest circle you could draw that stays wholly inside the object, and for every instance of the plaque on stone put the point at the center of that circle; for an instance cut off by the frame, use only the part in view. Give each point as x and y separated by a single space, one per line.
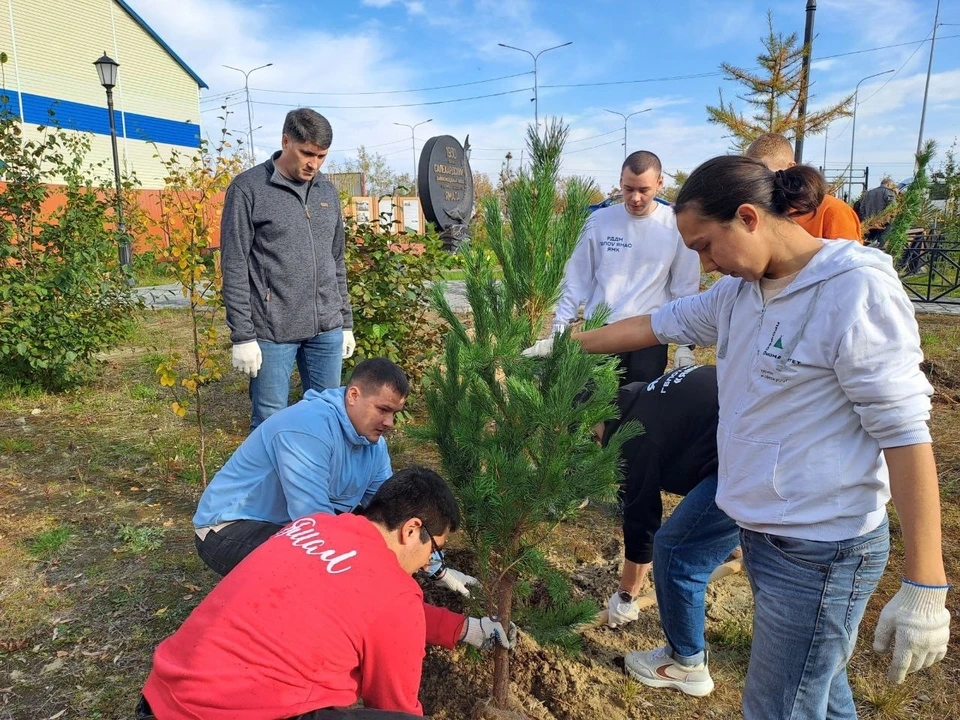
445 182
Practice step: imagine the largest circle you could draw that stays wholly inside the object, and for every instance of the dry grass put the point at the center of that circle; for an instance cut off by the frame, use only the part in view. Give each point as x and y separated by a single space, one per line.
97 488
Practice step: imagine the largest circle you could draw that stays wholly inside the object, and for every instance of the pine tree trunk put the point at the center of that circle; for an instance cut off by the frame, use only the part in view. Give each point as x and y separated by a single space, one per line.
501 656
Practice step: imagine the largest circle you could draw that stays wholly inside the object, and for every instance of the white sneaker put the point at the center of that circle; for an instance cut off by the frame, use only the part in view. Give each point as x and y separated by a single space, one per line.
657 668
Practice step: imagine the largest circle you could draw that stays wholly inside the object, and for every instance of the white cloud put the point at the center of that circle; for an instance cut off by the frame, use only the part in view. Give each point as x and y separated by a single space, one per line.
365 55
880 22
820 65
208 34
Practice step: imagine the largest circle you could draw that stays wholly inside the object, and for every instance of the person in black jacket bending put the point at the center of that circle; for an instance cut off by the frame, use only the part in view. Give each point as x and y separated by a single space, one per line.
676 453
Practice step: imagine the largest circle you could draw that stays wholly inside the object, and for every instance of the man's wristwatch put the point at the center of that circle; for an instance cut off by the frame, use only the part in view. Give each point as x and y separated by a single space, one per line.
625 597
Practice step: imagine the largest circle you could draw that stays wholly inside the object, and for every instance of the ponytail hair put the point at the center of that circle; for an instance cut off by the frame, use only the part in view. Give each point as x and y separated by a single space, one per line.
721 185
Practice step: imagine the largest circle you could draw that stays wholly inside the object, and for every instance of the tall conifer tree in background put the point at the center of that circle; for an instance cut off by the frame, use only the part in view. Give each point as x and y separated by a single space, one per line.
773 92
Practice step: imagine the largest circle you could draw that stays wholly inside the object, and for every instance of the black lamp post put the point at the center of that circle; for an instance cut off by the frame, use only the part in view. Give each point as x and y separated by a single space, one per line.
107 69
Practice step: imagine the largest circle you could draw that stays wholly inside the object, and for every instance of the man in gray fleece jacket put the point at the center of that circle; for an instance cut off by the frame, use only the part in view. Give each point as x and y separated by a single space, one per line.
284 278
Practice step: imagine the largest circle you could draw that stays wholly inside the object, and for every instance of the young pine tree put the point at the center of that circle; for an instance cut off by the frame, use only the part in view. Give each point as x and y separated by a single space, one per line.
910 203
514 434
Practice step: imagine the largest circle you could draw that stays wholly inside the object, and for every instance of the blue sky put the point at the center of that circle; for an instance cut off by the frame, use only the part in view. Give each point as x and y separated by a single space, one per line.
368 46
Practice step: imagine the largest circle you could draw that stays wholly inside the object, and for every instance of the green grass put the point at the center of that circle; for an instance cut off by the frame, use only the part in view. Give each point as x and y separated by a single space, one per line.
142 391
140 539
11 445
47 544
734 635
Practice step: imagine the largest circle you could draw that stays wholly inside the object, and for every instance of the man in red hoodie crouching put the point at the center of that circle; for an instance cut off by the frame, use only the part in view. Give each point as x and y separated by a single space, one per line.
322 614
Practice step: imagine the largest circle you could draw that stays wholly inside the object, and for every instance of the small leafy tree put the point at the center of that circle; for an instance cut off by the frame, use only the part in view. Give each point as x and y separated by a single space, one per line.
190 209
514 434
774 94
63 295
380 176
389 278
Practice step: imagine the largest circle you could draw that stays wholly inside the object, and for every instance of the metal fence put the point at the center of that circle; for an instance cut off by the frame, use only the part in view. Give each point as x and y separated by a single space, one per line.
930 269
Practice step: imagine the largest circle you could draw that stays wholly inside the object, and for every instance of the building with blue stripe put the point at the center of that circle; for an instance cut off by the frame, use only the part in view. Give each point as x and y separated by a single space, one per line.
50 78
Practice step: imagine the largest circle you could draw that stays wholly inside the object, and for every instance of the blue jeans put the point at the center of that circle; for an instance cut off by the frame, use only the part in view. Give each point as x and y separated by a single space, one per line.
809 597
694 540
319 359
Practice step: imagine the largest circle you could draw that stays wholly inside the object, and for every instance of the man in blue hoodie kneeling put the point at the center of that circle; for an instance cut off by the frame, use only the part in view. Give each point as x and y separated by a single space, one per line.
327 453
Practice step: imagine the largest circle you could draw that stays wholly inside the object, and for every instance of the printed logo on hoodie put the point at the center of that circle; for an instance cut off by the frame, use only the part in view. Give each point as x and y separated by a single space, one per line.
773 344
307 539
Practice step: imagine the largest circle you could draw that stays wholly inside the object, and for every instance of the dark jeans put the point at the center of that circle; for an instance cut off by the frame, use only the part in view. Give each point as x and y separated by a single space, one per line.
145 713
356 714
643 365
223 550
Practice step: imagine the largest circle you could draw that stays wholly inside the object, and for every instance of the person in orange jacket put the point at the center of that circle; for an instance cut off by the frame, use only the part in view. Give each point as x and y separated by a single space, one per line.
834 219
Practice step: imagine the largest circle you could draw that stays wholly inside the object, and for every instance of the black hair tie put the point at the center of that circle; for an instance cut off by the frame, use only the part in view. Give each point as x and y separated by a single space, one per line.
780 177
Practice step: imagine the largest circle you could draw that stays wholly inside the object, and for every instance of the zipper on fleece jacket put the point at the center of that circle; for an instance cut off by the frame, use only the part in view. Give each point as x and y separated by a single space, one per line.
313 250
316 270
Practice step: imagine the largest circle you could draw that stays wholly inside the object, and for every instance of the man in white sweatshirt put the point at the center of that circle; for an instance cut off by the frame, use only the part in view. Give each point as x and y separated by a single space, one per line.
631 258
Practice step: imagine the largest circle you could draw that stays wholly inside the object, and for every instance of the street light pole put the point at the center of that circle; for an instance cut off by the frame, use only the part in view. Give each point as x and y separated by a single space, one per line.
804 81
926 88
853 131
413 147
107 70
826 136
625 118
536 97
246 87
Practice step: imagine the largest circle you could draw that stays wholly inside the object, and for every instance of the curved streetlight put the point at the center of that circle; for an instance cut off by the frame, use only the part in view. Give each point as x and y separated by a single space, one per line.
413 147
625 118
246 87
853 131
536 98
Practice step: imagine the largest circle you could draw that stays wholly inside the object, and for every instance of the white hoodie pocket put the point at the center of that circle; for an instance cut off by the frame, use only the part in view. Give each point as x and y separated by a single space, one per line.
747 489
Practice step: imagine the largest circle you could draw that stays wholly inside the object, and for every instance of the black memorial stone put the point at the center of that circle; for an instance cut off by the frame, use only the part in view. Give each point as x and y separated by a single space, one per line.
445 182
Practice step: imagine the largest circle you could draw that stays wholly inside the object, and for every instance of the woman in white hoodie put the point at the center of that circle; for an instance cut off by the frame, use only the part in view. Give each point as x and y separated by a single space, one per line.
823 416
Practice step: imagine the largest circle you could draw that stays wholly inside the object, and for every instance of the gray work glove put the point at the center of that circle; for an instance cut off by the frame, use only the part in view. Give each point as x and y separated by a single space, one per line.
917 623
541 348
247 357
621 611
455 580
484 632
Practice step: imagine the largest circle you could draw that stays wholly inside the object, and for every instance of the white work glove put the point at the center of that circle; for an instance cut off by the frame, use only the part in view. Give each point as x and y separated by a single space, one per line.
683 357
558 327
918 623
484 632
247 358
455 580
541 348
620 612
349 344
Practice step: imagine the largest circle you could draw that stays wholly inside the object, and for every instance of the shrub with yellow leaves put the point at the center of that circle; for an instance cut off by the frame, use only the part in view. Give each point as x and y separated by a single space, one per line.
190 211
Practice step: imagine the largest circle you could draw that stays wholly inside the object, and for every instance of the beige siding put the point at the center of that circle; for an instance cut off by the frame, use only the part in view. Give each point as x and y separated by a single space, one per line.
148 170
152 83
56 44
